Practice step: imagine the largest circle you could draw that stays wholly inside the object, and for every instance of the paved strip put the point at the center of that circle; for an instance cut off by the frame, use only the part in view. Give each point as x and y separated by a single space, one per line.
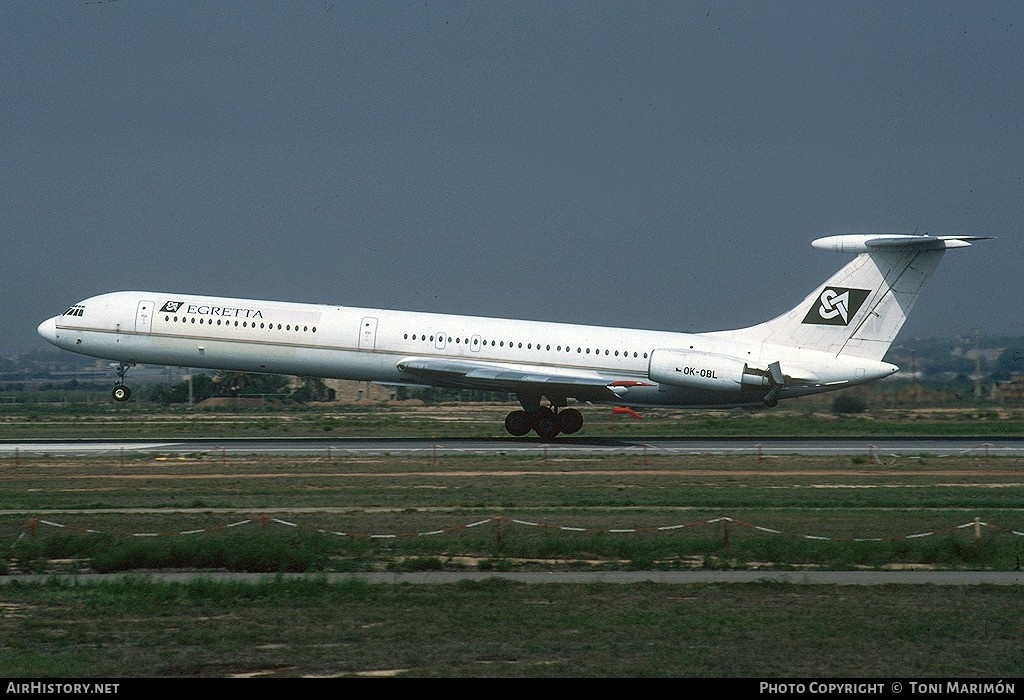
453 446
9 449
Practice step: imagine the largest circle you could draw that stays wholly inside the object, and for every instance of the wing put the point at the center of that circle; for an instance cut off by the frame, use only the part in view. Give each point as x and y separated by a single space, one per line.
582 386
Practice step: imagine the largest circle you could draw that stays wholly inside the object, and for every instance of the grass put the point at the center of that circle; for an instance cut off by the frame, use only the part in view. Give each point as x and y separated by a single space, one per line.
511 546
499 629
287 510
142 628
804 418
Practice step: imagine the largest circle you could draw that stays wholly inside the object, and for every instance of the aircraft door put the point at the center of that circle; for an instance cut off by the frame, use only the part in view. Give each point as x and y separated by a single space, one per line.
439 341
475 343
144 317
368 333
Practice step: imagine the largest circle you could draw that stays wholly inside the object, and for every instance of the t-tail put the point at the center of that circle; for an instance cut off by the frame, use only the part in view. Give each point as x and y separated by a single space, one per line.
859 310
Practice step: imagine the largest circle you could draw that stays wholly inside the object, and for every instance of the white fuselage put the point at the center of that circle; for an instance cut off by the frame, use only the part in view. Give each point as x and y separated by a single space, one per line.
372 344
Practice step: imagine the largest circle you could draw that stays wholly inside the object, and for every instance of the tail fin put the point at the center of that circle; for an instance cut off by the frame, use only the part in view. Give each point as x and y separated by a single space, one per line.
862 307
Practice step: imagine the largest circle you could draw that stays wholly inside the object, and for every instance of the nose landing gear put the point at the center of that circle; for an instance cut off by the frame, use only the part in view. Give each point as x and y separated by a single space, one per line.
121 392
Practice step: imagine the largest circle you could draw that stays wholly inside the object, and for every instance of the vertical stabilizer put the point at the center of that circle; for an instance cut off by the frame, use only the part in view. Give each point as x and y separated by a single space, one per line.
860 309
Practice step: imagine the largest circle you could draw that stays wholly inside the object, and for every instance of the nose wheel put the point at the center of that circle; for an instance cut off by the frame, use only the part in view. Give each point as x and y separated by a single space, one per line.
121 392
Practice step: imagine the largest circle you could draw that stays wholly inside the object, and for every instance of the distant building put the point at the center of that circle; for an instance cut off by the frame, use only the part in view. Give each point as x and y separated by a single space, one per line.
360 392
345 391
1010 390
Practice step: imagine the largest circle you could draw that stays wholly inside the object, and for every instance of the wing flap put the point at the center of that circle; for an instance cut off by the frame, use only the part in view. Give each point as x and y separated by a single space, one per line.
490 377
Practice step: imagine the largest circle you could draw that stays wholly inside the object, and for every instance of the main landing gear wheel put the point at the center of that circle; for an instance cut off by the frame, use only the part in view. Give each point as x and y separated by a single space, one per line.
571 420
545 422
518 423
122 393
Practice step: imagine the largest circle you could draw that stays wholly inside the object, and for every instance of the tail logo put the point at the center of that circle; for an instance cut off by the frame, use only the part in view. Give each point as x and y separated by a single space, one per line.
836 306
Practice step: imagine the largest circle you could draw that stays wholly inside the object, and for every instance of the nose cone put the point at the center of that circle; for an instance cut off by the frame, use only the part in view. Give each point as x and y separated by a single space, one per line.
48 329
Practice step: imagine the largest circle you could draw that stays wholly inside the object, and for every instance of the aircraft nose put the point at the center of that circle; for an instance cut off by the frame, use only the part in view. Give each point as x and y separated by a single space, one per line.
48 329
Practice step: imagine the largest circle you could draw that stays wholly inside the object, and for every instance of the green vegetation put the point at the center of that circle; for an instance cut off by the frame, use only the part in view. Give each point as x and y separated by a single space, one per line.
848 403
506 546
486 420
321 513
138 628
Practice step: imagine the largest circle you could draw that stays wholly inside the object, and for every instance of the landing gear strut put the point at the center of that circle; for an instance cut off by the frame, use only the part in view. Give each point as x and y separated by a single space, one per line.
121 392
546 421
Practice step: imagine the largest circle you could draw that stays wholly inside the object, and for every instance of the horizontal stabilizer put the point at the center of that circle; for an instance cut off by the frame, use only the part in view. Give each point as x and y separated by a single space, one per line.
867 242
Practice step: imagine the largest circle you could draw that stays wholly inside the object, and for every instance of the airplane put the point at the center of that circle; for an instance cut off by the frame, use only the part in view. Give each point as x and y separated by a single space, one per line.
833 339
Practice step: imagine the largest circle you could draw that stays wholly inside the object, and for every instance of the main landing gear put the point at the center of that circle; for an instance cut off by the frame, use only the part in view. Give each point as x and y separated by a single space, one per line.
121 392
546 421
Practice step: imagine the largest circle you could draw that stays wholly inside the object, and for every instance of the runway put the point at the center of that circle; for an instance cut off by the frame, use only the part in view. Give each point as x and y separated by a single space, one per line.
411 447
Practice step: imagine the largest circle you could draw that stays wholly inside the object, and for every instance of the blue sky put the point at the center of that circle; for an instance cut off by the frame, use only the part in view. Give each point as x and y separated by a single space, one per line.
655 165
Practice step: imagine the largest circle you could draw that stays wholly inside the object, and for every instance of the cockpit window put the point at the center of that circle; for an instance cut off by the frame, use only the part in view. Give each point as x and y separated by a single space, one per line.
76 310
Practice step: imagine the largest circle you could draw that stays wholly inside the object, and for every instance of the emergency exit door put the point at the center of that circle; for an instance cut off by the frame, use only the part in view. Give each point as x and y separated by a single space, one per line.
144 317
368 333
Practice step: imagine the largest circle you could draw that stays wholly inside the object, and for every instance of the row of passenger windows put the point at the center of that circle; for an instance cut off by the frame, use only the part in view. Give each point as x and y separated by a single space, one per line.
415 336
529 346
243 324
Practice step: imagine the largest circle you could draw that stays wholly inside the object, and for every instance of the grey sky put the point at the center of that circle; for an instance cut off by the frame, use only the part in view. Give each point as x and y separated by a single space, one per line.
657 165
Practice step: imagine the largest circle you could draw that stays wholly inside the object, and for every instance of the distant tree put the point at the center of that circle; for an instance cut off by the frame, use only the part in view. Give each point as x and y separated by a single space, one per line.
1009 363
249 383
202 388
848 403
312 389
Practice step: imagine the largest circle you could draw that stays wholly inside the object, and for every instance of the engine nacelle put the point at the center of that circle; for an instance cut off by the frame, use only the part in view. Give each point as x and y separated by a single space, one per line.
702 370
